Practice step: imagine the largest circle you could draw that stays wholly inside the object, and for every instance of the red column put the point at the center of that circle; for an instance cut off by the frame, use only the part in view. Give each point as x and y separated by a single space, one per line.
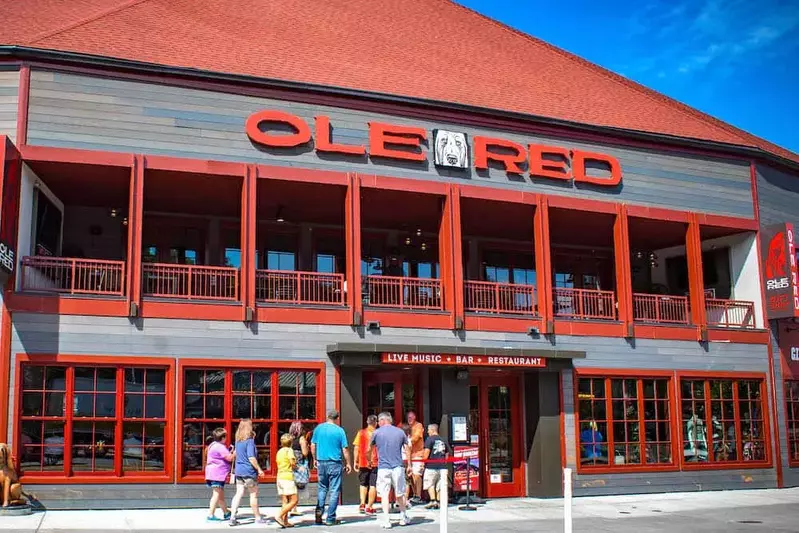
621 247
457 256
247 274
450 256
135 225
352 236
696 282
543 263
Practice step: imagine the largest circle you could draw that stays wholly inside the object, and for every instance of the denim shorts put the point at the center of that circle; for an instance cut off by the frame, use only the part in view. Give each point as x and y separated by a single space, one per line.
214 484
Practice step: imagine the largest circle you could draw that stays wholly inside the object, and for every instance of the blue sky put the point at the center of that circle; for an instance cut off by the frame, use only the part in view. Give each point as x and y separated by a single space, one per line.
737 60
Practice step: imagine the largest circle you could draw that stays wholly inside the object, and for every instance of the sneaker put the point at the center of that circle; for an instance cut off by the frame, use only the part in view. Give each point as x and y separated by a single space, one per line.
233 522
431 505
226 516
362 509
262 520
295 512
318 518
386 525
213 519
370 511
404 520
331 523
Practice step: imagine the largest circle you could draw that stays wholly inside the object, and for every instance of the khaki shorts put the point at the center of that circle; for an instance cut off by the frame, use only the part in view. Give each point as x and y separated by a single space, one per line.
286 487
391 478
249 482
417 468
432 478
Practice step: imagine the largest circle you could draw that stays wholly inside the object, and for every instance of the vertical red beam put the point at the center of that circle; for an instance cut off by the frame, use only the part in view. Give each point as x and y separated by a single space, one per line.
621 248
457 255
135 226
352 236
543 263
23 99
249 187
447 258
764 305
696 282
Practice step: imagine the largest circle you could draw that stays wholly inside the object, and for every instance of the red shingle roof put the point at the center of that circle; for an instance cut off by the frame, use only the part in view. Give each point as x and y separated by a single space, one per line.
430 49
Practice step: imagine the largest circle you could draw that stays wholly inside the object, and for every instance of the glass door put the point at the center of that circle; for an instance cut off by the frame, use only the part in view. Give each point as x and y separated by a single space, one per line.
394 392
494 417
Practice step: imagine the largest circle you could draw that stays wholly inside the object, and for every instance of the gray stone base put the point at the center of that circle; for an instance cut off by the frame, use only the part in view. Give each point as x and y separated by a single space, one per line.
16 510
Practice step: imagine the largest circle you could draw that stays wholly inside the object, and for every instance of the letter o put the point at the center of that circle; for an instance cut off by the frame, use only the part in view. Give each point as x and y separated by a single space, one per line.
301 136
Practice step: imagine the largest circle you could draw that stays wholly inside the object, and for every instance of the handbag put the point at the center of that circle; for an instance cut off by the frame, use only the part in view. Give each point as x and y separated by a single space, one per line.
302 474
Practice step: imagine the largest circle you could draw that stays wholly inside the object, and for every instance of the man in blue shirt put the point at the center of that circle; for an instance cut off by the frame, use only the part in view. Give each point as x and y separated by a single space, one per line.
328 446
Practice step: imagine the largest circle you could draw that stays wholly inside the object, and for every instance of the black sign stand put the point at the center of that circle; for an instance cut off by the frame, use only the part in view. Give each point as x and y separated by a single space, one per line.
468 501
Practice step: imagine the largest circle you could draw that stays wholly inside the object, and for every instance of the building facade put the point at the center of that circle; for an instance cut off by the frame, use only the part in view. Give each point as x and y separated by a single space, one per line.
183 251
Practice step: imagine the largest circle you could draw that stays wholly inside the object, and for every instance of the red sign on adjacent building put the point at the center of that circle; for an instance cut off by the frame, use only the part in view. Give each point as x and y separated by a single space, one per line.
779 271
463 360
10 177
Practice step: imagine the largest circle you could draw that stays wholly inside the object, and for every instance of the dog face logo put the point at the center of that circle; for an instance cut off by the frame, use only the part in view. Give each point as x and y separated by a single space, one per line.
776 263
451 149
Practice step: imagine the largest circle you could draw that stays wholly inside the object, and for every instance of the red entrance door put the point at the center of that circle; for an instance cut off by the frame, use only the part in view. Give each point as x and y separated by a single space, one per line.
495 416
396 392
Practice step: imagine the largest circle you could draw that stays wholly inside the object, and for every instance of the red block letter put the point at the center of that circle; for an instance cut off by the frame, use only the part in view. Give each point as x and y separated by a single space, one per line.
549 168
578 168
509 161
301 136
323 143
381 135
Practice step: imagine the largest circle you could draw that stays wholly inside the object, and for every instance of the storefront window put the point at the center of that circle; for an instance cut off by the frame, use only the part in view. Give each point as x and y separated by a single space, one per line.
273 399
722 421
792 416
624 422
81 419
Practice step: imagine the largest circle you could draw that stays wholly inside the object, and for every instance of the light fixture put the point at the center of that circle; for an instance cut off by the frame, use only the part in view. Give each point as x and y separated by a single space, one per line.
113 213
125 221
279 215
373 325
407 241
424 247
418 232
639 255
533 331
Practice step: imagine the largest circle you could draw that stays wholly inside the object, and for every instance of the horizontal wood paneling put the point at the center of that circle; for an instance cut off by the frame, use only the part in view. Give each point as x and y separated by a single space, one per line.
74 111
9 101
778 196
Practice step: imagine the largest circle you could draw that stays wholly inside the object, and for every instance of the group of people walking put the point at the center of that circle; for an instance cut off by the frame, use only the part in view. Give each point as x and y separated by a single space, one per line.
389 460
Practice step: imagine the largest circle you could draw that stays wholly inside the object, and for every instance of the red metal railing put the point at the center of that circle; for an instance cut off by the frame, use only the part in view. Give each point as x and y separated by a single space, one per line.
402 293
730 313
500 298
275 286
660 309
584 303
190 281
73 276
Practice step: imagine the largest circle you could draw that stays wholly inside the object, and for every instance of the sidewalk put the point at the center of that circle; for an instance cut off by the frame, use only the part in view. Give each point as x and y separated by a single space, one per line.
755 510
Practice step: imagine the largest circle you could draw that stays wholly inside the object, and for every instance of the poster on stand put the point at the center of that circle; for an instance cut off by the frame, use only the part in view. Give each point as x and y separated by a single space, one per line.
466 458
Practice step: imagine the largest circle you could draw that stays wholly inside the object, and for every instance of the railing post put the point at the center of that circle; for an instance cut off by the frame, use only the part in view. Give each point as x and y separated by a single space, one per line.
657 309
497 306
72 281
189 282
402 293
297 298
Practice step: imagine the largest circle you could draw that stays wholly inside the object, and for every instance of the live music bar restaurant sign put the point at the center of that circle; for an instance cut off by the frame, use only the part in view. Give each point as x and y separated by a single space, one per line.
499 361
778 245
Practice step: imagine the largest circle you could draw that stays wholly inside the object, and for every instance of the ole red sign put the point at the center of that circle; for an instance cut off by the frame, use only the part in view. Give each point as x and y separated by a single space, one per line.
463 360
278 129
780 271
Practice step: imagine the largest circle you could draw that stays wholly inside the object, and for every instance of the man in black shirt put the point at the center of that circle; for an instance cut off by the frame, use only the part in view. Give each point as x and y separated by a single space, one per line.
435 449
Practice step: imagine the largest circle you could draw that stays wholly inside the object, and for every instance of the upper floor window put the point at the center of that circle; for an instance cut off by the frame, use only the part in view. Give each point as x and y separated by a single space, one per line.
792 420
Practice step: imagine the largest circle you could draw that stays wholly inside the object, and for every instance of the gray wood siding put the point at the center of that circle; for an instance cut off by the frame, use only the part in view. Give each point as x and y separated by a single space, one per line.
609 353
778 196
9 99
790 476
105 114
176 339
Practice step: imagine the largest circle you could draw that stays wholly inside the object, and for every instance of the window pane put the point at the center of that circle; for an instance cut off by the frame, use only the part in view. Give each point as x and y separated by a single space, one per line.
193 381
307 383
55 378
107 379
263 407
84 404
134 379
32 377
32 404
193 406
307 408
54 404
105 405
241 380
134 406
156 380
84 379
242 406
214 406
287 407
214 381
287 382
155 406
53 446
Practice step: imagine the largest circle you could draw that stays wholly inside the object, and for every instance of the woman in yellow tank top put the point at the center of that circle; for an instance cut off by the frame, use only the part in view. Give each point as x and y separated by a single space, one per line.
286 463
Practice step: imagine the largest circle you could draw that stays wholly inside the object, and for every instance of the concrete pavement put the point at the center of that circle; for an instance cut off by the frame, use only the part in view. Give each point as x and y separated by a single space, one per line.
755 510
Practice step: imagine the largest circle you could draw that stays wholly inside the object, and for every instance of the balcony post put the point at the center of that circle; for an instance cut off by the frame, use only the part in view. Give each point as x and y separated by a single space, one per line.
450 254
352 237
246 272
135 225
696 283
543 263
621 249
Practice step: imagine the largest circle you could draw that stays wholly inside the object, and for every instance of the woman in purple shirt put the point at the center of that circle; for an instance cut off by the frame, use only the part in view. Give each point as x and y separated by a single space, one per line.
217 471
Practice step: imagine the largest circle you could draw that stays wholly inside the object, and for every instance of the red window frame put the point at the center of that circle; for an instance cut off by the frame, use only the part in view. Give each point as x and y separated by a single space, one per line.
229 421
640 376
119 474
792 420
736 378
